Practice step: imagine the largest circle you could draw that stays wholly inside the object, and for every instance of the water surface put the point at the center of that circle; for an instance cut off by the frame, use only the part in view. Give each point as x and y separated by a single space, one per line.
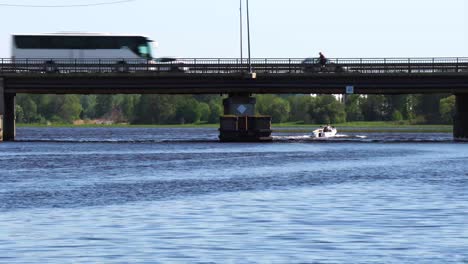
120 195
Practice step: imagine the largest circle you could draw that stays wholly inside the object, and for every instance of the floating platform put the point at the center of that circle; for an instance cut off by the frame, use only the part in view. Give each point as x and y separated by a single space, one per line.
245 129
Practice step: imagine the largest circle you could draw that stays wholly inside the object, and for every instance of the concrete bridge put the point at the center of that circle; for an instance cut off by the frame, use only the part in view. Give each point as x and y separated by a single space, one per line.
232 77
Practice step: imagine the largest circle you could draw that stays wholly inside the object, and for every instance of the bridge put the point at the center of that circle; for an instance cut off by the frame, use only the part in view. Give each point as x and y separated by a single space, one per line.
233 77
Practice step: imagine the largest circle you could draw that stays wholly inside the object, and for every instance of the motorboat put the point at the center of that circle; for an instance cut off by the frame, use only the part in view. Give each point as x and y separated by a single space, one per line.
325 132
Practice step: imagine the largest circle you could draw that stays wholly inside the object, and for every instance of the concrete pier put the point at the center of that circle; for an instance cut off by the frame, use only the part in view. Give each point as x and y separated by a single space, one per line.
239 105
2 106
460 122
240 123
7 114
9 118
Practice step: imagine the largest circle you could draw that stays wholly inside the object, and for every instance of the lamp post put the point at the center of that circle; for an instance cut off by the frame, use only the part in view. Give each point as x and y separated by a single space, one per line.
248 37
241 34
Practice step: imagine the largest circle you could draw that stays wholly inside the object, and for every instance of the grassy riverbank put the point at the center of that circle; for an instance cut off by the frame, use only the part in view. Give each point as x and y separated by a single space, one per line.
369 127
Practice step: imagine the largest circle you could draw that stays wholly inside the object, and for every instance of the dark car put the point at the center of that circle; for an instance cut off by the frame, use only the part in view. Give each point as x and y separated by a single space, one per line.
313 65
170 64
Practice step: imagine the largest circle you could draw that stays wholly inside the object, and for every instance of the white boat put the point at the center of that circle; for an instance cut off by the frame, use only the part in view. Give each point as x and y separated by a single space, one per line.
325 132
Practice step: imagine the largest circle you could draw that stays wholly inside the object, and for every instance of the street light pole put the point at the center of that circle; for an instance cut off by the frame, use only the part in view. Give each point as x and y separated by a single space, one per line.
241 34
248 36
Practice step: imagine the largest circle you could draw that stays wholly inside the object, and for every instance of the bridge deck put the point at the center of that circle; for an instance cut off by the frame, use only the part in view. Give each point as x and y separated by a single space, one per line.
223 76
179 83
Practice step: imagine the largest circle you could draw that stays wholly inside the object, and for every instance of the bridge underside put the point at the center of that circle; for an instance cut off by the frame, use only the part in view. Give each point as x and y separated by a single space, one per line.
236 83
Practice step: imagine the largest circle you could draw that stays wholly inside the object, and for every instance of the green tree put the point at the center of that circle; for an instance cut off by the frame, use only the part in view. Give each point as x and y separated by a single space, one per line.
263 103
428 106
155 109
70 109
88 103
103 105
397 116
205 111
188 111
50 106
447 109
278 108
374 107
19 114
45 105
128 105
216 110
29 109
327 109
299 105
353 108
396 103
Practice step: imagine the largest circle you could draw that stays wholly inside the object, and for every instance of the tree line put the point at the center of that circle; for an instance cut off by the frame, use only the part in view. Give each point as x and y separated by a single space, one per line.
188 109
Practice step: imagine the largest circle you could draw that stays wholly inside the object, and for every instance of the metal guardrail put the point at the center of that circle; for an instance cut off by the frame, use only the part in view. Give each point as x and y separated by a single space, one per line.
230 66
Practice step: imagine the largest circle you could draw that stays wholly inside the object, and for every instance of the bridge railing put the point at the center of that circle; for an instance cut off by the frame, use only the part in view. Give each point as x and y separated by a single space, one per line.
235 65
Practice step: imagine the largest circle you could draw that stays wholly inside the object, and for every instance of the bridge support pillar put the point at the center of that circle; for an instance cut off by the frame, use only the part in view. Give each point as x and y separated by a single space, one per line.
239 123
239 105
9 120
460 122
7 114
2 107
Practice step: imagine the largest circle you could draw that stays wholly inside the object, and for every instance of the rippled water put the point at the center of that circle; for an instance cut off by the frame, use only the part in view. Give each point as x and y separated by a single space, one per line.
87 195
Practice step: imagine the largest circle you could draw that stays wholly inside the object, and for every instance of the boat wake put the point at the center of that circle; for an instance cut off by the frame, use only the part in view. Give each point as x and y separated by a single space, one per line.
374 138
337 137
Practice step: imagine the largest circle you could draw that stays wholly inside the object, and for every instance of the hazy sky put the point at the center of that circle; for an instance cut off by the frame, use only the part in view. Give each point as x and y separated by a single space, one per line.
279 28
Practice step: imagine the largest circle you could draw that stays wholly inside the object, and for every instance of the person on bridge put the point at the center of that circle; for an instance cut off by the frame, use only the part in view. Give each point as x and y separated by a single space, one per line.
322 59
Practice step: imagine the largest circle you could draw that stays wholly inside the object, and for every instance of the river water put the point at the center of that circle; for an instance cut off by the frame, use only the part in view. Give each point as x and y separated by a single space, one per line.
136 195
